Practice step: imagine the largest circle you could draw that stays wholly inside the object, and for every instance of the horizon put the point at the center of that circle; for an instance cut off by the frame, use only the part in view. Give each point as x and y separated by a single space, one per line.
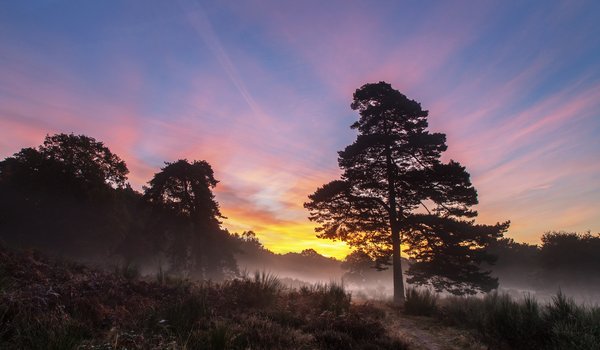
264 98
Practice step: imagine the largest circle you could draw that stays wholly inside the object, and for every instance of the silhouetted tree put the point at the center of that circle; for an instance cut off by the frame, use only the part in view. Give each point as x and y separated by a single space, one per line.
86 159
134 244
248 238
188 216
518 264
357 264
571 252
394 189
60 196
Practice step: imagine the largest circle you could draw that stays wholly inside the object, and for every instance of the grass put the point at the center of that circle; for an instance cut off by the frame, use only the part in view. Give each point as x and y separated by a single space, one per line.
328 297
58 305
505 323
420 302
127 271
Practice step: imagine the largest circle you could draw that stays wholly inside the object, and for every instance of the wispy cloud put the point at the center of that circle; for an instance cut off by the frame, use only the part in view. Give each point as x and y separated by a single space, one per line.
261 90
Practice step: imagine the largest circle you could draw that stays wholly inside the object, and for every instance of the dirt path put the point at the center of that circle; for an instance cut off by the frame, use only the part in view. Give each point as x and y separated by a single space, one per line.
426 333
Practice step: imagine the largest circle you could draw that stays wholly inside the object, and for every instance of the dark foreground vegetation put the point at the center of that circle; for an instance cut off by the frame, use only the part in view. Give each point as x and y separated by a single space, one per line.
505 323
56 304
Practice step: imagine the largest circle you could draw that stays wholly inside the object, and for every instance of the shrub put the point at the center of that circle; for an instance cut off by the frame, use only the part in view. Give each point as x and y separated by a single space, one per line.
259 291
62 306
420 302
127 271
183 316
572 326
22 327
255 331
331 297
352 330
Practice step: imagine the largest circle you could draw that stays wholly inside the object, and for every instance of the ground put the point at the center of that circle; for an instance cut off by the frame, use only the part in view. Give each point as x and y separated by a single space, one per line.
56 304
425 333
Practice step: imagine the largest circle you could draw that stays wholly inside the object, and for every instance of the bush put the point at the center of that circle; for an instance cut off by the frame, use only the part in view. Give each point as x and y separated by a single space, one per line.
49 305
183 316
420 302
128 271
259 291
22 327
331 297
572 326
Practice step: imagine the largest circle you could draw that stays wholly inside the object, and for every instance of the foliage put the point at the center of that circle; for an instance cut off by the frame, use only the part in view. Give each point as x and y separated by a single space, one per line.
420 302
571 251
330 297
186 189
564 260
506 323
60 305
518 264
186 215
260 290
394 189
127 271
61 196
362 269
66 160
70 197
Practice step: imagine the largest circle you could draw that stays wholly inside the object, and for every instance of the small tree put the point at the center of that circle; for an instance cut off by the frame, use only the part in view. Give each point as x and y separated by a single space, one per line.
394 189
358 265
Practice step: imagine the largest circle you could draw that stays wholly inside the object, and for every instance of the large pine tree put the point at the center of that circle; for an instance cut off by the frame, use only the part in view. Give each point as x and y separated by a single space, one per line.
395 190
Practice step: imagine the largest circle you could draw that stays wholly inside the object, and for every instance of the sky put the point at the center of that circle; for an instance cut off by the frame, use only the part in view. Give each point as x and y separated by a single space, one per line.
262 91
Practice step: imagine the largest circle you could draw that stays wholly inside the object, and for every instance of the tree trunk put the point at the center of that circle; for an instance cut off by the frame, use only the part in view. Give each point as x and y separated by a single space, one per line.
393 215
397 266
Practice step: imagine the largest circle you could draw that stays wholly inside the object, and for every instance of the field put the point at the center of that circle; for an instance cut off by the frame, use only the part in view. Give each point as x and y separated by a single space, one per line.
57 304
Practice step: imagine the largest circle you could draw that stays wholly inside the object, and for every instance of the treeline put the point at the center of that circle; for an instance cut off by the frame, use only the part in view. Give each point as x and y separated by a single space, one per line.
566 260
70 197
295 269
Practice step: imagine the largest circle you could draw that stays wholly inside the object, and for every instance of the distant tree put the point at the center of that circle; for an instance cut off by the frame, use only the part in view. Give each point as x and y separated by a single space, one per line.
394 189
188 216
60 196
571 252
134 245
249 240
518 264
357 264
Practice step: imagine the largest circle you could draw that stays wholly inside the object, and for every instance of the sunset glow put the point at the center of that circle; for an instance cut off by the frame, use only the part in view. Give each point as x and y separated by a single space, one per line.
261 90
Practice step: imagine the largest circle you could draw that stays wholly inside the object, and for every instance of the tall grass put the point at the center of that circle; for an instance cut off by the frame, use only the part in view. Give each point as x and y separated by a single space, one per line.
257 291
420 302
526 324
4 279
183 316
26 330
50 305
331 297
127 271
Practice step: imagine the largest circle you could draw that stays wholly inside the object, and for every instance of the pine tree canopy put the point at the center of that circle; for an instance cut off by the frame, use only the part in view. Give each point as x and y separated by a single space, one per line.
395 189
